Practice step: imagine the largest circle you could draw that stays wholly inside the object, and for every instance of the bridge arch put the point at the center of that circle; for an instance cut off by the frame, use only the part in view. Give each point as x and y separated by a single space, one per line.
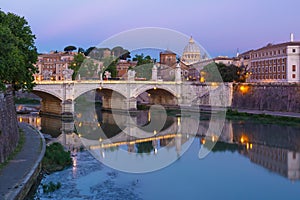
110 99
45 91
51 104
81 89
144 88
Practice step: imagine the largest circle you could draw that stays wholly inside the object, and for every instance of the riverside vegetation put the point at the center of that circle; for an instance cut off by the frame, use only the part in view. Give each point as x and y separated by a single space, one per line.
56 158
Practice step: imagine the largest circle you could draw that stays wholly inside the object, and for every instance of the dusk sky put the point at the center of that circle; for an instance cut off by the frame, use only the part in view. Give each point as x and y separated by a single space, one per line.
220 26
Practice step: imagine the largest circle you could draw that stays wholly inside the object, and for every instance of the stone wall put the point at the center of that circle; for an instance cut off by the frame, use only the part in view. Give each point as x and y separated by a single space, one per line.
283 97
9 135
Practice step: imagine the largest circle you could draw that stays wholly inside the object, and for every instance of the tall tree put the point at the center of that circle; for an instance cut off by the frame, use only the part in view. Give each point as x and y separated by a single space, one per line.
76 64
144 66
70 48
18 53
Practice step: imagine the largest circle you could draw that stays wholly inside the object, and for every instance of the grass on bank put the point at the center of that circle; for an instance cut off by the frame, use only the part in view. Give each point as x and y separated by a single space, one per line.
56 158
262 118
16 151
26 101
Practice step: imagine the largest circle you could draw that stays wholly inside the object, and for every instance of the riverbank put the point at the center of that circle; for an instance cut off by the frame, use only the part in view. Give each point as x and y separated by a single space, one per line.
283 118
21 172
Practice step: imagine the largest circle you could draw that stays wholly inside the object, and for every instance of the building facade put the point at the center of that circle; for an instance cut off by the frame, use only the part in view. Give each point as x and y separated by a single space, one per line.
276 63
53 66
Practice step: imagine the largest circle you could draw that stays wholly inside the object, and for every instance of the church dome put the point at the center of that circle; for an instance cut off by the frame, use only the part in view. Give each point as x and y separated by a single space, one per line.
191 53
191 47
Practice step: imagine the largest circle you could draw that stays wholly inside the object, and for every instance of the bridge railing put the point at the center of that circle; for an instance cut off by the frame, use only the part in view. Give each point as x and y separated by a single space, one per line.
105 82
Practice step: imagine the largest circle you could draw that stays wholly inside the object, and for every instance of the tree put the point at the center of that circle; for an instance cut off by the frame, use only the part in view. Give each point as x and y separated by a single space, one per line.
18 53
76 64
144 66
70 48
88 69
110 64
81 50
121 53
218 72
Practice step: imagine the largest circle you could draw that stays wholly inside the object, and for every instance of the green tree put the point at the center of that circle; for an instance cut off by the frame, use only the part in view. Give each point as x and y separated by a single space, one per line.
110 64
121 53
70 48
88 69
76 64
218 72
18 53
144 66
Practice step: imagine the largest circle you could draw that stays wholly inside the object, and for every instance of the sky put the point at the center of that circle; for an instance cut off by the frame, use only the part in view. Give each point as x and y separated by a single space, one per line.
220 26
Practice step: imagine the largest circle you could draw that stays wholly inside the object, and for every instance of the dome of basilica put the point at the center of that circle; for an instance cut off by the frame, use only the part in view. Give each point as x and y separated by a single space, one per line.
191 47
191 53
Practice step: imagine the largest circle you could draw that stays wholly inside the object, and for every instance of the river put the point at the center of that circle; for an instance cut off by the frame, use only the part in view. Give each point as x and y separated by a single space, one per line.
251 160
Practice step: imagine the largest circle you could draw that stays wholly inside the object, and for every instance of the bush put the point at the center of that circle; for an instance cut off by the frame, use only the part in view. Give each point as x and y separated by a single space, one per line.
56 158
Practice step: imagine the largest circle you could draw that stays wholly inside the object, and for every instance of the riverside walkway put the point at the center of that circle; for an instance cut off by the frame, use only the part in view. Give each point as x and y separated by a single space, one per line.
17 176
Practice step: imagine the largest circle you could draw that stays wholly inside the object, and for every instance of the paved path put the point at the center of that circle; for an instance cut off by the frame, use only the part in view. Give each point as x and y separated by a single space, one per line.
14 173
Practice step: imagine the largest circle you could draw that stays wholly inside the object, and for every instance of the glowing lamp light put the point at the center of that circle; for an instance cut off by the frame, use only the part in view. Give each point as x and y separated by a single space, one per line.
244 89
178 121
203 140
154 88
244 139
154 132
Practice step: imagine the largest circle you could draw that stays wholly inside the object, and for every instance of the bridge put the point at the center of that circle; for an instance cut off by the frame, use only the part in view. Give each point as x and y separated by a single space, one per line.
59 97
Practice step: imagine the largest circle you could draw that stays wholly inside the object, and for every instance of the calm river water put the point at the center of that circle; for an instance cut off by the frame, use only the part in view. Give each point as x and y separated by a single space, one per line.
250 160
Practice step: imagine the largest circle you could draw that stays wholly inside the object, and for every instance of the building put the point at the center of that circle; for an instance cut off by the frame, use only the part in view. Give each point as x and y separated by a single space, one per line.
123 66
224 60
282 161
276 62
191 53
167 58
53 66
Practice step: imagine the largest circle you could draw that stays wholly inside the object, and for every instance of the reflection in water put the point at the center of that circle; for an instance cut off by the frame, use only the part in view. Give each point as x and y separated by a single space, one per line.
276 148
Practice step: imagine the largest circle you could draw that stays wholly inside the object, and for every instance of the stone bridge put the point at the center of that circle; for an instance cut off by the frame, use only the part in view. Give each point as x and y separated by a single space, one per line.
59 97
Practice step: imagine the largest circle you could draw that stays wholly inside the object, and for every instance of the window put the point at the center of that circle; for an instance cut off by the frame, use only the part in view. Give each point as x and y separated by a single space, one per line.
278 76
294 50
278 68
283 68
274 76
274 69
283 76
294 68
270 69
293 75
